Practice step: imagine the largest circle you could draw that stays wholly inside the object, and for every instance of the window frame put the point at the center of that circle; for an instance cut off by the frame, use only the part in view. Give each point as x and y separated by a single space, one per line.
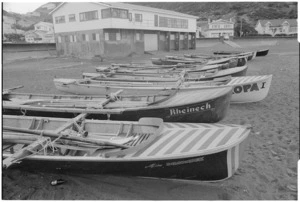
172 22
114 13
112 36
83 17
59 18
74 17
130 16
138 19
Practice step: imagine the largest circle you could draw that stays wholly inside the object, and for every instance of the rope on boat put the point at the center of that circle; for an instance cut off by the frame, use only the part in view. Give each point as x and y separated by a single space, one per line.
113 97
47 144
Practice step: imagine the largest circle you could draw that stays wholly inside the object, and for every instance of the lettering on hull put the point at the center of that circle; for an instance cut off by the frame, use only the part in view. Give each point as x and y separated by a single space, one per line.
191 109
248 88
176 163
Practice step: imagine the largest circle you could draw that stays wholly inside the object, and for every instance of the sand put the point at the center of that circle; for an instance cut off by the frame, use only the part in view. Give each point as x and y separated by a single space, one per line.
268 170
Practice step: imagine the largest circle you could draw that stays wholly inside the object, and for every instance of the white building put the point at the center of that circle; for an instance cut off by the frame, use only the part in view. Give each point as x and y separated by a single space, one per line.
43 33
216 28
278 26
120 29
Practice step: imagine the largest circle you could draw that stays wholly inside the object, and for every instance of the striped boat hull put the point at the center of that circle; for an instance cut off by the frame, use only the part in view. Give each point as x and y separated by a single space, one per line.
250 88
209 153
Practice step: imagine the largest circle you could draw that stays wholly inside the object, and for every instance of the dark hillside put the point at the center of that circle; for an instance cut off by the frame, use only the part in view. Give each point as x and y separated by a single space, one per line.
250 11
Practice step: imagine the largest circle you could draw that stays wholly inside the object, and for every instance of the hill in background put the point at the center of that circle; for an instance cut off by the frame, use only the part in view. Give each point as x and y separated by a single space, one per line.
250 12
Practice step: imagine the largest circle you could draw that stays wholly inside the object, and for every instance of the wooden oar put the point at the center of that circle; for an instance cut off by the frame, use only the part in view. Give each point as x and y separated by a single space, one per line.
8 90
15 137
63 135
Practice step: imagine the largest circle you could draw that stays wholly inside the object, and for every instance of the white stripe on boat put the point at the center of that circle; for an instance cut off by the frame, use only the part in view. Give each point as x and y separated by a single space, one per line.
229 162
179 146
236 149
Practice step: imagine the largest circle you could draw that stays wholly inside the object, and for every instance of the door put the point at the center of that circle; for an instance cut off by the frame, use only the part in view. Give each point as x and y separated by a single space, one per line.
151 42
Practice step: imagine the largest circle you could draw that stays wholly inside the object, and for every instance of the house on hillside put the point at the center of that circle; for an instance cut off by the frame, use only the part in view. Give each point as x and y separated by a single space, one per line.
216 28
278 26
43 33
120 29
44 26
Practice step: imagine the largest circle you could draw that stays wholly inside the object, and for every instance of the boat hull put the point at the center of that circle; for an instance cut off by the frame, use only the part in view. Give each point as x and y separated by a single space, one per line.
208 152
252 89
233 72
212 167
251 55
209 111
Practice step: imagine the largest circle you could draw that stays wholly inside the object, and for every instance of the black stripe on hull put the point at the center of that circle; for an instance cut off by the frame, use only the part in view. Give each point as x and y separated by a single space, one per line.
262 53
217 111
211 167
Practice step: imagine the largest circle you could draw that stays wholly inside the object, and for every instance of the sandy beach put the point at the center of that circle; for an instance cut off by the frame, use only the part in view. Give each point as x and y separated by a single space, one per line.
268 170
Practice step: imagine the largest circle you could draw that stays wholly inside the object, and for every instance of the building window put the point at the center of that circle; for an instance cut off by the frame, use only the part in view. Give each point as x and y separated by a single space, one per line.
112 36
96 37
106 36
138 36
138 17
155 20
72 38
59 39
72 18
60 19
130 16
172 37
173 22
66 38
86 16
85 37
118 36
114 13
119 13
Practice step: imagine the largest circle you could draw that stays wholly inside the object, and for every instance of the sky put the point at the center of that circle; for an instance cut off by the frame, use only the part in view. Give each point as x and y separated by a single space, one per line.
21 7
